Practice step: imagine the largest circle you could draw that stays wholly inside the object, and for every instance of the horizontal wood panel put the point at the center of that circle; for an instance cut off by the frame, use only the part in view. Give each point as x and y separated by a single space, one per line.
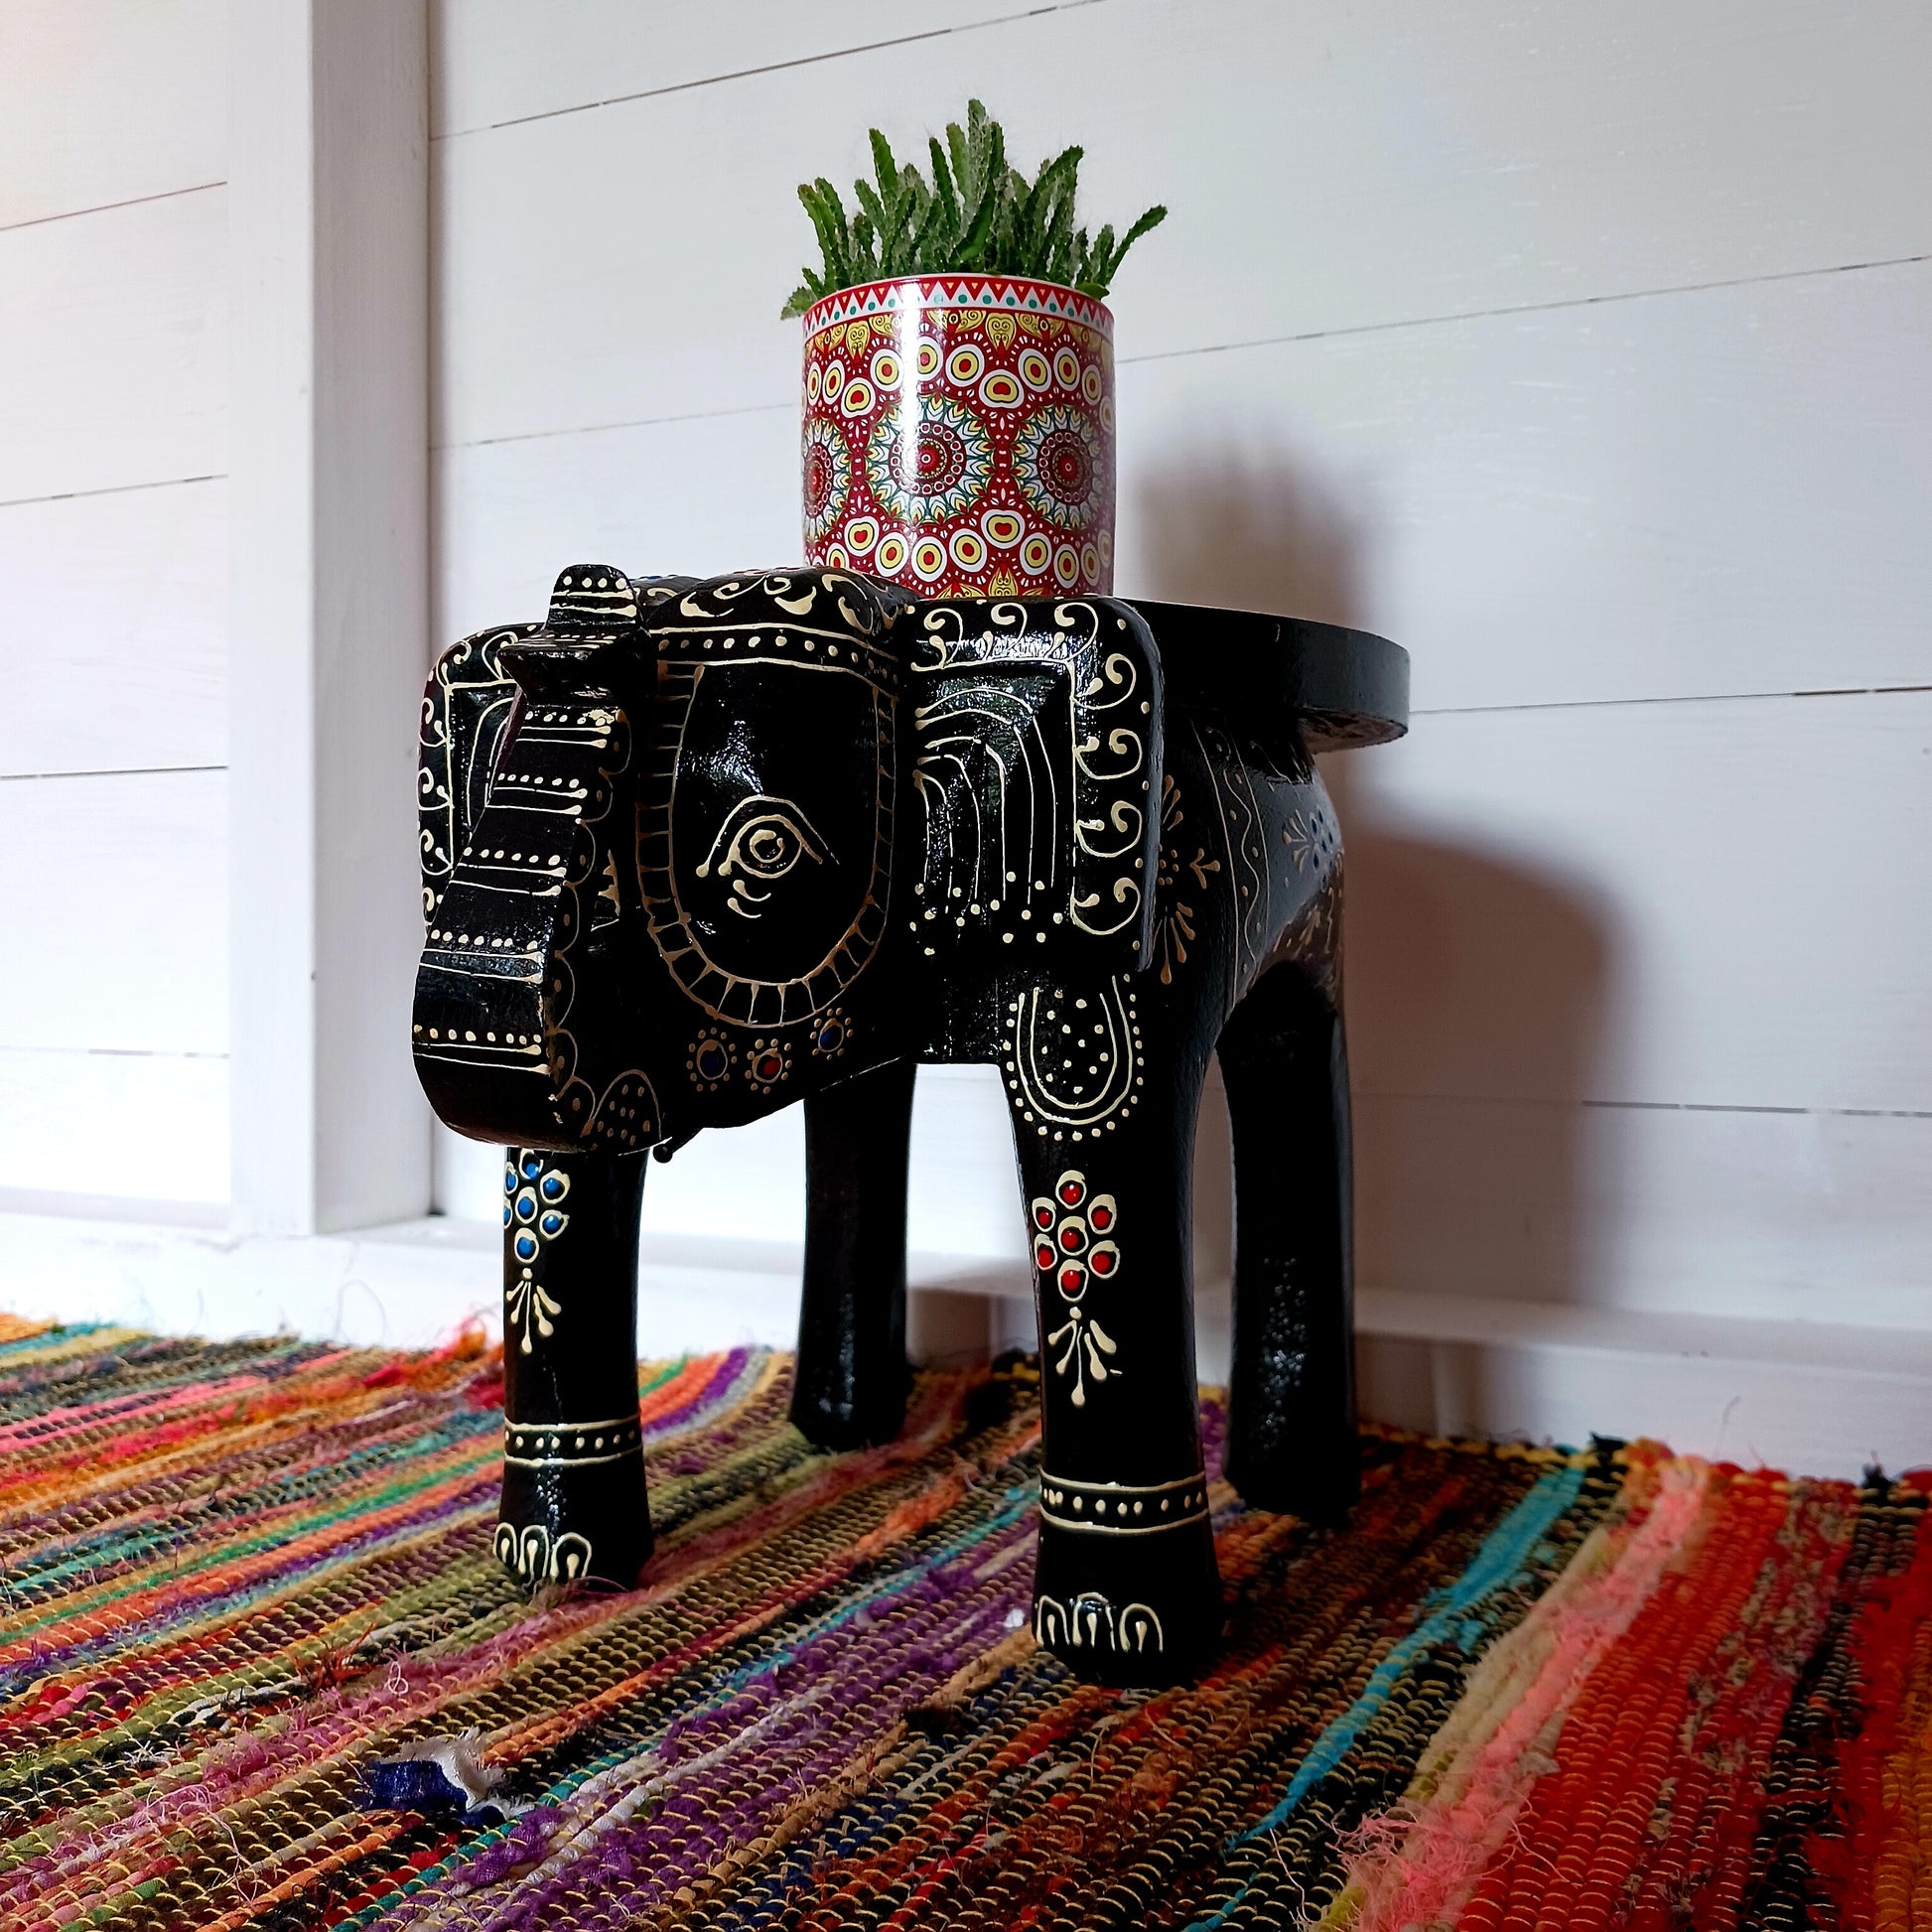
495 61
1692 494
113 348
1719 903
1800 1216
751 1179
109 101
1796 1396
699 496
1685 495
116 891
1786 1216
1325 168
115 631
141 1127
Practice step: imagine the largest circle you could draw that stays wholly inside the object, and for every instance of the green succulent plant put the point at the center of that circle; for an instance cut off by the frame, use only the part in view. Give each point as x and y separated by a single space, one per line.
976 213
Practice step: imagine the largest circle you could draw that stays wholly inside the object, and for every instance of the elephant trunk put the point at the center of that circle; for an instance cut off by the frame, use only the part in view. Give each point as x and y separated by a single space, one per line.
519 1026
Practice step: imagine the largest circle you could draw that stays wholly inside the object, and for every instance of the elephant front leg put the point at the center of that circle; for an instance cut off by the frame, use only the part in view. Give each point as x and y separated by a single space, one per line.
572 1502
1126 1590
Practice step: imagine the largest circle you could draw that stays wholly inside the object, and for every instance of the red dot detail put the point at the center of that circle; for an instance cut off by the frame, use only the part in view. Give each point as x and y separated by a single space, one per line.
1042 1216
1101 1219
1070 1240
1070 1193
1070 1279
1103 1264
1044 1253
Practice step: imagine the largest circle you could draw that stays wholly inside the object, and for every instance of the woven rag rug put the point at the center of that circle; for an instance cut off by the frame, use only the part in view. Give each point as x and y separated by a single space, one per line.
1526 1688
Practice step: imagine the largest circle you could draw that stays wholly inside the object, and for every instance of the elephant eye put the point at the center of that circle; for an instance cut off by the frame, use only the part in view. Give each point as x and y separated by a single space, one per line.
760 841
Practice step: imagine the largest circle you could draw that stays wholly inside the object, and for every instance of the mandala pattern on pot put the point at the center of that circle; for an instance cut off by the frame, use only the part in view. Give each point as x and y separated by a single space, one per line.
943 473
959 436
827 477
1056 462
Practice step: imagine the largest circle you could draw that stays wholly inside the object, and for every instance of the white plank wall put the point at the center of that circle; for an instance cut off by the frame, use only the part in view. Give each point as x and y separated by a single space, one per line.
113 594
1582 350
1584 353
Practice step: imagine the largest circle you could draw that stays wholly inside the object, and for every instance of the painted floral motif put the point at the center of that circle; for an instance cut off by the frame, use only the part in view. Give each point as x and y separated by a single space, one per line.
935 475
1089 1622
1004 485
533 1558
1175 916
1072 1246
1056 461
827 476
533 1214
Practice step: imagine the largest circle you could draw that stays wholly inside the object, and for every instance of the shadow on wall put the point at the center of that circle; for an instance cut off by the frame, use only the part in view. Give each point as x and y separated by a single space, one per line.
1476 988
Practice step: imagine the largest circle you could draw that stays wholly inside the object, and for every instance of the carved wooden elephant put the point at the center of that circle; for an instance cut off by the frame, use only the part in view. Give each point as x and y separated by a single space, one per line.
694 851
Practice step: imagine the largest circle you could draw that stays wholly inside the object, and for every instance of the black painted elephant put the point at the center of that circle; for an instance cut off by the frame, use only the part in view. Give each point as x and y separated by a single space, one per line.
694 851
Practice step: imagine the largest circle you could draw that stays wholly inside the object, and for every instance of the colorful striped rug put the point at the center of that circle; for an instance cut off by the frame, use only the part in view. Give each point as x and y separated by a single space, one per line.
1527 1688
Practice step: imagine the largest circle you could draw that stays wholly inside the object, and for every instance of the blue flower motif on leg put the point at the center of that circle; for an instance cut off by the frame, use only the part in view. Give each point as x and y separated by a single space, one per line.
533 1215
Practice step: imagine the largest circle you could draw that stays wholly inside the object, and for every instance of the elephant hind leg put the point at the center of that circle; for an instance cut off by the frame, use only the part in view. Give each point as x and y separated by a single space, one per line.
852 1378
1292 1392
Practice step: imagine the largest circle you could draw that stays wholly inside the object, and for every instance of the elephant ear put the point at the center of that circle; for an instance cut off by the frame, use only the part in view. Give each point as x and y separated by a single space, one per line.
1036 731
518 1028
766 856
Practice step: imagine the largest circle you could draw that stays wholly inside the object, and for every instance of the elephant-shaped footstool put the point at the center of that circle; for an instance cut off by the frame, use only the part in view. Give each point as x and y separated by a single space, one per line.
693 851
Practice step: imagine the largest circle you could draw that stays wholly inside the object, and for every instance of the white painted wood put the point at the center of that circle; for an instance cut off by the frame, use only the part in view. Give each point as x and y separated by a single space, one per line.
80 1129
1700 495
113 348
116 897
1719 903
114 630
108 100
963 1197
1387 164
1692 841
1814 1395
497 60
1554 379
1787 1215
697 497
328 163
1685 495
1713 904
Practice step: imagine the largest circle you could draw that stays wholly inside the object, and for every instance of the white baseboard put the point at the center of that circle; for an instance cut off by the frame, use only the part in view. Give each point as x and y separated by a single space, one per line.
1823 1399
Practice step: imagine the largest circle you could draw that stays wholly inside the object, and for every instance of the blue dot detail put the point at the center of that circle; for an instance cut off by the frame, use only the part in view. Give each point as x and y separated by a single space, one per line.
526 1245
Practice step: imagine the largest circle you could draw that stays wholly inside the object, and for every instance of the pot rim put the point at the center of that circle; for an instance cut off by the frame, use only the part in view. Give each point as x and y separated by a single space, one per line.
961 289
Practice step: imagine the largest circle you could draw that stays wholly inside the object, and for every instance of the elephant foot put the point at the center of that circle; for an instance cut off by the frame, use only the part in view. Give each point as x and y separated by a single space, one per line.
1316 1481
1122 1603
834 1419
574 1508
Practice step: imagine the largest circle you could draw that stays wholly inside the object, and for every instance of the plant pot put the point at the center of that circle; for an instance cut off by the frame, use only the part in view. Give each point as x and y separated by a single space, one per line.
959 436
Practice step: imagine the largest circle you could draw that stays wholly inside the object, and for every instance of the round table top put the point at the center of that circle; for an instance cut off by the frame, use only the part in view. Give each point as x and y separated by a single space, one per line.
1350 687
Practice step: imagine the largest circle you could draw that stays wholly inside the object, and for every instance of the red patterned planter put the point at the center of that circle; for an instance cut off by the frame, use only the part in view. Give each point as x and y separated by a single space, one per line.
959 436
